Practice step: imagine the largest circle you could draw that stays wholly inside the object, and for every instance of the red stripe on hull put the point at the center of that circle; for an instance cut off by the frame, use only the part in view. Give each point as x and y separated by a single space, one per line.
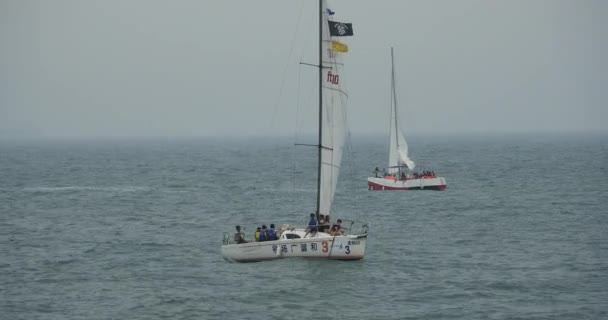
378 187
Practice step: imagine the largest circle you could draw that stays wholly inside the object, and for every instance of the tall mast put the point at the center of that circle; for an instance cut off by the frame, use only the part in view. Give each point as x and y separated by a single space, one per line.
394 100
320 147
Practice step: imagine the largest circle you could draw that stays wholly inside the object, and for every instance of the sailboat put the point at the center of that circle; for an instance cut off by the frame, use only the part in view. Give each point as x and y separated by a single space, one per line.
401 173
316 242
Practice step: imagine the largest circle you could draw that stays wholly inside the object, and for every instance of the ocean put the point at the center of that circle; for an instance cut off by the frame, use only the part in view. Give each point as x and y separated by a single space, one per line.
132 229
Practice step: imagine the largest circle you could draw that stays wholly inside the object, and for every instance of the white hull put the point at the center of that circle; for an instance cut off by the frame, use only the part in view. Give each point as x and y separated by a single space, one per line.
435 183
321 246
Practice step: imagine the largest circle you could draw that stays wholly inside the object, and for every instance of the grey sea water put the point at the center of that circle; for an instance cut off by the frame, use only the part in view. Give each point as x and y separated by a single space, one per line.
132 230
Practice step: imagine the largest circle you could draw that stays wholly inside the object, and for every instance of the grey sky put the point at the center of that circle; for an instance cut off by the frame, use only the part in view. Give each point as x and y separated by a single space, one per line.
194 68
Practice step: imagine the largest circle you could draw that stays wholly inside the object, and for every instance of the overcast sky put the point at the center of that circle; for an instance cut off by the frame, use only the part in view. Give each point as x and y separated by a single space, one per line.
113 68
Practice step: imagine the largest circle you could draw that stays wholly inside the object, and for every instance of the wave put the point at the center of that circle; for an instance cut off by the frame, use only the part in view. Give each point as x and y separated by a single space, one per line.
177 185
87 188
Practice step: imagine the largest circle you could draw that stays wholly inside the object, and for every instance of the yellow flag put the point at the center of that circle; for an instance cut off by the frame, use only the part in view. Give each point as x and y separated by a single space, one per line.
339 47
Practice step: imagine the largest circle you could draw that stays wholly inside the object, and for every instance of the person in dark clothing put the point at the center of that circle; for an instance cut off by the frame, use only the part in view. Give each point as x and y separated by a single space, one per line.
313 225
264 233
336 229
272 233
324 223
239 237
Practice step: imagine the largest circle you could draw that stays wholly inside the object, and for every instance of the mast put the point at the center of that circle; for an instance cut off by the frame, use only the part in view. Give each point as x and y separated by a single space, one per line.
320 146
394 100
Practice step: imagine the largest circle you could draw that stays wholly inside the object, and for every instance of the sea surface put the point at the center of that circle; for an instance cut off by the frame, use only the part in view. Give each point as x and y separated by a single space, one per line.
132 229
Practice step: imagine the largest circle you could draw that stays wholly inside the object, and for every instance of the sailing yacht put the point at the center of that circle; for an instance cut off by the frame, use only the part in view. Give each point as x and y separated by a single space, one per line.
400 174
299 242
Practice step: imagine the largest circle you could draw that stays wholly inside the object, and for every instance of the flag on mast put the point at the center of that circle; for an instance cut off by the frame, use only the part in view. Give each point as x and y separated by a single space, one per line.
340 29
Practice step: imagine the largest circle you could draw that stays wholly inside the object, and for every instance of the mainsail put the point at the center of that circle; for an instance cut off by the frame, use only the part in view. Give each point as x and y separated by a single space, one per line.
398 151
333 108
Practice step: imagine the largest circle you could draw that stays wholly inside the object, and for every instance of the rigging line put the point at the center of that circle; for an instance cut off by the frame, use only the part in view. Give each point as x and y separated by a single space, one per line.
331 248
390 118
291 49
305 104
295 138
350 165
307 37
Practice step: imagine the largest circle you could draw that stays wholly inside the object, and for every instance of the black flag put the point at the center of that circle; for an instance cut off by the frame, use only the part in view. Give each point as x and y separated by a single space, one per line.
339 29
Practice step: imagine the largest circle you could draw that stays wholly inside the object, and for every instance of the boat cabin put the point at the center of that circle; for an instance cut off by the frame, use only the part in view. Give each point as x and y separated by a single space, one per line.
300 233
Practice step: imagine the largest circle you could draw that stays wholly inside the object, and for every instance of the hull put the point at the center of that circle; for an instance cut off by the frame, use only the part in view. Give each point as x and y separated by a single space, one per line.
349 247
436 183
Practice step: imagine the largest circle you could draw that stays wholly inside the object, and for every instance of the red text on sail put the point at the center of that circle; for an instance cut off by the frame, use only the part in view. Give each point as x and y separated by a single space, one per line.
332 78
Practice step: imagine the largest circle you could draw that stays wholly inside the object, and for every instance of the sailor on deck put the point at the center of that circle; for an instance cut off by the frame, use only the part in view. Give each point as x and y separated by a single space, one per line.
313 225
239 237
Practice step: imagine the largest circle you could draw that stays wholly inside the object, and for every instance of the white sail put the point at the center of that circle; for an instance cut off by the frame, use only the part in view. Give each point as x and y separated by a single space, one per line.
398 154
398 150
333 115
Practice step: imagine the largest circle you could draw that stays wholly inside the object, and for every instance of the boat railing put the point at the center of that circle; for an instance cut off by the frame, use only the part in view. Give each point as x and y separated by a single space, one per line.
350 228
347 226
227 239
364 229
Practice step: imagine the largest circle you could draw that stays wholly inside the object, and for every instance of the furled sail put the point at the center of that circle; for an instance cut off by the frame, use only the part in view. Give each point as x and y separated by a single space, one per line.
398 150
398 154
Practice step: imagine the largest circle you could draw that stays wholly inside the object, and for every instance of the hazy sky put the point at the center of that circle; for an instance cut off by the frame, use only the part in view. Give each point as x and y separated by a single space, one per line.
200 67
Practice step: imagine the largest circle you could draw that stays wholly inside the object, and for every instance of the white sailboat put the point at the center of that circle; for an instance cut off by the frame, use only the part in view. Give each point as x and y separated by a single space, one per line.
296 242
400 174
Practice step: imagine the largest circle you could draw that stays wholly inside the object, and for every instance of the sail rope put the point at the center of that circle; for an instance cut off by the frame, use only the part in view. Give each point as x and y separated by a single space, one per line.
279 97
349 165
302 100
287 63
295 139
